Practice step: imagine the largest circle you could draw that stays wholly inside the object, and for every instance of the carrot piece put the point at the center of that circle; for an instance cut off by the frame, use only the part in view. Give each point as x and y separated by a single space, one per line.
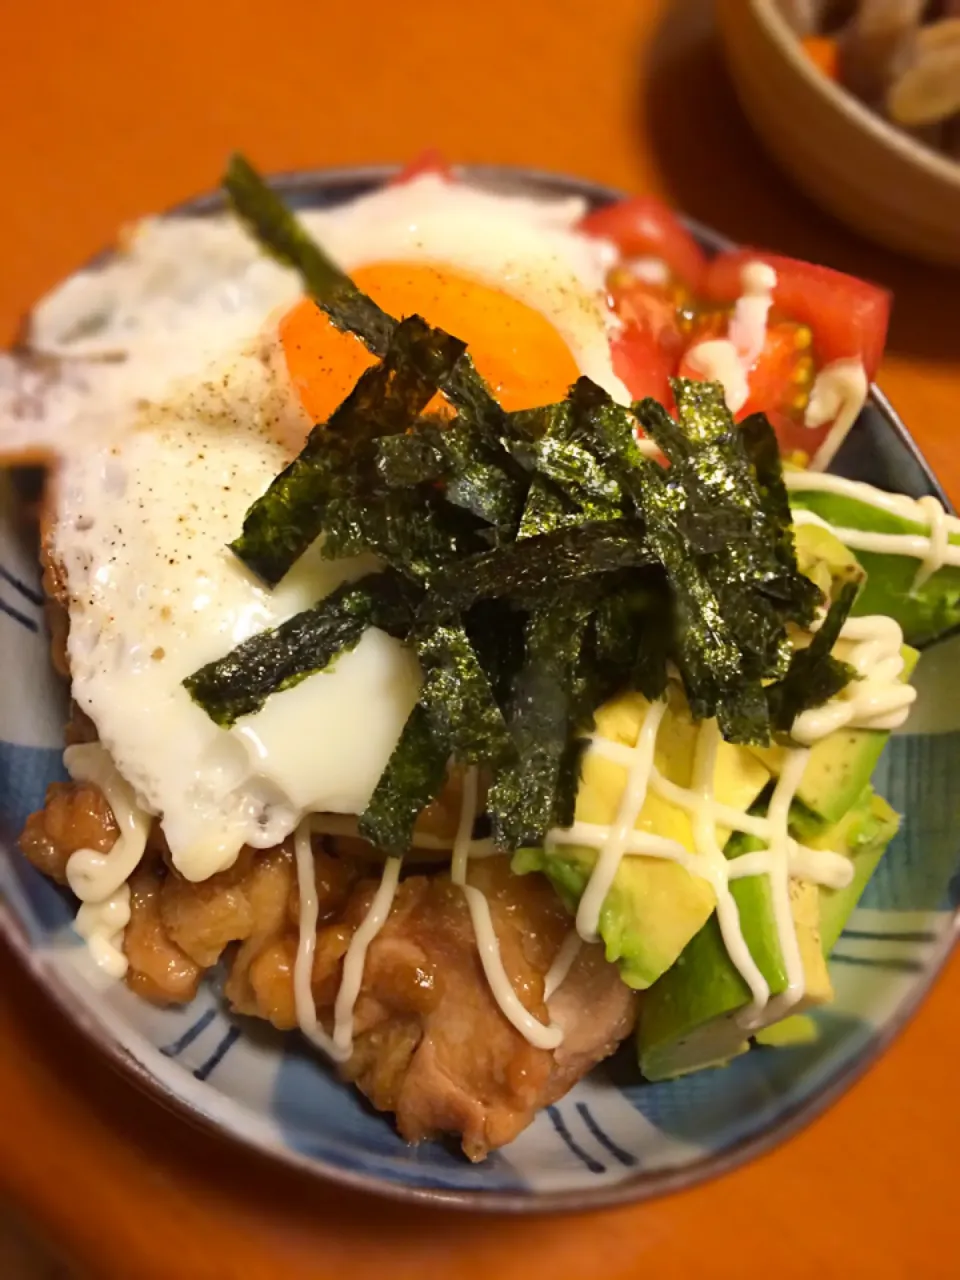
823 52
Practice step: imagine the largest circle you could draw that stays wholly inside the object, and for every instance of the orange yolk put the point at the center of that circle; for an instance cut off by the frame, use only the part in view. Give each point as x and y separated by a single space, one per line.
518 351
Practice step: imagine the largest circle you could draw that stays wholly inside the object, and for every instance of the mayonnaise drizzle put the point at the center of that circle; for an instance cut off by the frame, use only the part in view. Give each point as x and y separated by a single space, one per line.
94 876
339 1047
783 858
614 846
778 873
748 325
99 880
879 699
729 360
531 1028
839 393
101 925
562 964
355 959
933 549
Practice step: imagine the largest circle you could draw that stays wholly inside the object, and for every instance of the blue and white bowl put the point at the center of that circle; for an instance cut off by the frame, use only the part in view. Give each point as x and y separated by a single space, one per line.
613 1138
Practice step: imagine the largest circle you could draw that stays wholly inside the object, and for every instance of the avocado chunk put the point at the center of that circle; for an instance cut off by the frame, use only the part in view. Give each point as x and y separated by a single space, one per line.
692 1017
863 834
825 560
655 906
689 1018
923 614
839 768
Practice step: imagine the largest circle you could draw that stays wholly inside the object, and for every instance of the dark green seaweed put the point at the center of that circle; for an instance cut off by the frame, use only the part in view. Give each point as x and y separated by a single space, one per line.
814 675
277 229
538 790
536 567
240 683
414 776
281 524
457 695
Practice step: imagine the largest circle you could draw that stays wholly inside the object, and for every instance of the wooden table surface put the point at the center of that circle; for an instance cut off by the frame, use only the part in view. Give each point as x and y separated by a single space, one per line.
110 110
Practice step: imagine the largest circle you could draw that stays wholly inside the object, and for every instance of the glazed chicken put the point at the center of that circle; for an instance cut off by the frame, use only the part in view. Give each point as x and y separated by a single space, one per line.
431 1044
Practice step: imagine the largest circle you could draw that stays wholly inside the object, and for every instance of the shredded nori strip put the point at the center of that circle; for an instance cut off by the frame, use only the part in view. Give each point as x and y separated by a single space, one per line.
240 683
457 695
280 526
414 776
415 458
538 790
409 540
281 234
707 654
814 675
536 567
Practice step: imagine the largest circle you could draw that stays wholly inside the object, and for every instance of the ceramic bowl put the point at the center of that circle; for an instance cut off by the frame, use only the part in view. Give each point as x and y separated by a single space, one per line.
613 1138
865 171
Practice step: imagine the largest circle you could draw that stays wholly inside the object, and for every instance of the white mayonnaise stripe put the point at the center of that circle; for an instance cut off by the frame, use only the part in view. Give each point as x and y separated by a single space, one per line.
100 879
462 841
748 325
705 840
895 504
933 549
562 964
879 699
915 545
618 835
779 876
355 959
307 944
839 393
488 947
729 360
339 1047
939 548
94 876
101 925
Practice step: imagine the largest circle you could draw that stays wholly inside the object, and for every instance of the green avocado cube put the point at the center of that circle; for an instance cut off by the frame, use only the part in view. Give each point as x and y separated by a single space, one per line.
923 614
690 1019
654 906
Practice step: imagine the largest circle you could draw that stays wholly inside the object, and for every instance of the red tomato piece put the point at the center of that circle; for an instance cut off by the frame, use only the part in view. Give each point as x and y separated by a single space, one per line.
644 226
428 161
652 308
848 317
641 365
779 382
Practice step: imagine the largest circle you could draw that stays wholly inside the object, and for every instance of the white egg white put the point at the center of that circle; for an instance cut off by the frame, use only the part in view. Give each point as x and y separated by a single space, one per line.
154 593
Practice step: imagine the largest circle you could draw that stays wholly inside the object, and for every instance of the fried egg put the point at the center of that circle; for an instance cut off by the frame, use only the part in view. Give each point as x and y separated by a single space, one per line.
201 370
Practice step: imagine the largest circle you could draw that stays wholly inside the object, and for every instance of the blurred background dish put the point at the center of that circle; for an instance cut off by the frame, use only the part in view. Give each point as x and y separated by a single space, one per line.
898 184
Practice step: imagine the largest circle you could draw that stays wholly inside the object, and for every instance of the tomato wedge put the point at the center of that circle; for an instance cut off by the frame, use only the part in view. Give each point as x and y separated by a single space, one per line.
652 307
848 317
641 365
644 226
428 161
779 381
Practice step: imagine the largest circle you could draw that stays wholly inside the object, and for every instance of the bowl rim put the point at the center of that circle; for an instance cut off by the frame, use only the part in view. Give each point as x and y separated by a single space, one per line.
938 167
640 1186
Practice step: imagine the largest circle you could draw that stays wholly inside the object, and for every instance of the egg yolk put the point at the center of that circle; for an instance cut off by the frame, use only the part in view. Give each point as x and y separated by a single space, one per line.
516 349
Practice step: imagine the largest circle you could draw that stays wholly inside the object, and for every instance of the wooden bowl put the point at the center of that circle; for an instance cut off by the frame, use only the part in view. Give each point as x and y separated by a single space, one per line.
866 172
